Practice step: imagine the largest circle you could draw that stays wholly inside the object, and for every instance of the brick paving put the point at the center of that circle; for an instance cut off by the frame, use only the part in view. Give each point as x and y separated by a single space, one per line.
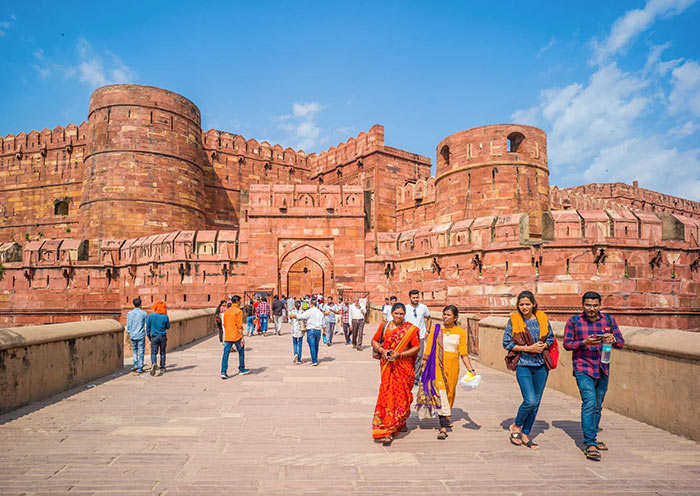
296 429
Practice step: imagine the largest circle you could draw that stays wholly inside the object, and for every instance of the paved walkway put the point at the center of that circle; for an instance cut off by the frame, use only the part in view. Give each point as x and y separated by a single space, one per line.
288 429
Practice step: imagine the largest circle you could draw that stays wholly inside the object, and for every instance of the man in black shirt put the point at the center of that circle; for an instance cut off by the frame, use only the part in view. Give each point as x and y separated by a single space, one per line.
278 313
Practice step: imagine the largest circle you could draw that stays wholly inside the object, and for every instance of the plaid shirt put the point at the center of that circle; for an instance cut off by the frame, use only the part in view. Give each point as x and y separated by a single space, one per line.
586 359
345 312
263 308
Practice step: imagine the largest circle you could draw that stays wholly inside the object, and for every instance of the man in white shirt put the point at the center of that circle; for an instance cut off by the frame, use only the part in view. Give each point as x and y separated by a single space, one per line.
329 310
357 313
418 314
386 309
314 323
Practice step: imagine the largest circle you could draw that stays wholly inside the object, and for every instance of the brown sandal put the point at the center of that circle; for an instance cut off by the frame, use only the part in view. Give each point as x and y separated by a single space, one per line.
592 453
442 434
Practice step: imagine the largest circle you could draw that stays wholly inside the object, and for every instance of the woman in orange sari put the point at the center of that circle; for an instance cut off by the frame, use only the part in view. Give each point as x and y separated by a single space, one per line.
398 343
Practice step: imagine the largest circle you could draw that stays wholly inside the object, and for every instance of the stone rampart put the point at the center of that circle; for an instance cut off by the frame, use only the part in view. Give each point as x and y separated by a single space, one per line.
39 361
653 379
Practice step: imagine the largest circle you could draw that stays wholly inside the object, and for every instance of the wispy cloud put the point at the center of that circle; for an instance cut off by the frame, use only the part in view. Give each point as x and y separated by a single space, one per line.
6 24
634 22
553 41
610 126
302 126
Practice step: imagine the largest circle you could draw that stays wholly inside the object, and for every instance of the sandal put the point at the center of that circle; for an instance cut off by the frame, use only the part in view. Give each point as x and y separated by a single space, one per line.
515 436
602 446
442 434
532 445
592 453
386 441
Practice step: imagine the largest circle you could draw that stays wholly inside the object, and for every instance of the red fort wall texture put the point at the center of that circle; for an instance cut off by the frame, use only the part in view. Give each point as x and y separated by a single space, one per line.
139 201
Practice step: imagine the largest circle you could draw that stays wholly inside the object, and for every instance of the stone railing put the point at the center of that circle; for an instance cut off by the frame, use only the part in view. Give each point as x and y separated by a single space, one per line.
39 361
655 378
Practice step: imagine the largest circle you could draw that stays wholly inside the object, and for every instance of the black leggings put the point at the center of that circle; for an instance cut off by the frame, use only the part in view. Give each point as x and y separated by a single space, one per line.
444 421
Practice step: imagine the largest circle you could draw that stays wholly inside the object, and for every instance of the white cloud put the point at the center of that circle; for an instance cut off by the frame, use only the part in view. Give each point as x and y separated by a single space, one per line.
611 127
301 126
93 69
634 22
553 41
652 163
685 92
307 110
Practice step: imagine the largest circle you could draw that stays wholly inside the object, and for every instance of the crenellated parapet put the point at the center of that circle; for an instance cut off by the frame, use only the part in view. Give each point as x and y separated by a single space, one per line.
636 198
305 200
342 155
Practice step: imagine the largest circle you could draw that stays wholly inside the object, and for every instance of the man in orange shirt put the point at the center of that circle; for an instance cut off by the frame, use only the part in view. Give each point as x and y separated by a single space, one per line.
233 335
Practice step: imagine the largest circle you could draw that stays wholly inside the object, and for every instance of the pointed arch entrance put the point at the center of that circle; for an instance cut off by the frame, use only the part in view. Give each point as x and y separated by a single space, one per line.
304 277
304 270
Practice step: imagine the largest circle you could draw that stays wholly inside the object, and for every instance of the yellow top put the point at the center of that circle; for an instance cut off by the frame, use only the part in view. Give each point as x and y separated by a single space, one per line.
454 340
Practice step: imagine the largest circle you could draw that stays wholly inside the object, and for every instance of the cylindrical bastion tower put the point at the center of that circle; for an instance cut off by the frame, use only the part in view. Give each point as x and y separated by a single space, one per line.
143 164
493 170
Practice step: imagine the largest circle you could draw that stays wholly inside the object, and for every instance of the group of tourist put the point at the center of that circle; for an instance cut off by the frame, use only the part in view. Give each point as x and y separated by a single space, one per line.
140 326
403 347
413 352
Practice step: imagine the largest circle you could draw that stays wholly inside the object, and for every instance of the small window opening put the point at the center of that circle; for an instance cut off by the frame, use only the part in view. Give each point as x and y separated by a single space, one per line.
60 208
445 154
514 141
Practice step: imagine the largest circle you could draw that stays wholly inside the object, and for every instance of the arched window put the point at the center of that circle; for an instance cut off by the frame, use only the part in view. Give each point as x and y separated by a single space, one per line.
60 207
514 141
445 154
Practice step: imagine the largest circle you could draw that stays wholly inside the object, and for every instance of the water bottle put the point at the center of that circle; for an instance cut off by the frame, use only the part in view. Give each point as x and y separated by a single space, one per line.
606 348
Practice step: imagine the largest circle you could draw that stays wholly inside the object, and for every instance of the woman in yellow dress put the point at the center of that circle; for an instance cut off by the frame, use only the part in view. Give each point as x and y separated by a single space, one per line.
446 344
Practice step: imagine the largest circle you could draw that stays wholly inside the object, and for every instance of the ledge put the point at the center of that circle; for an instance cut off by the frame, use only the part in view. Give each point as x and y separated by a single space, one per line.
18 337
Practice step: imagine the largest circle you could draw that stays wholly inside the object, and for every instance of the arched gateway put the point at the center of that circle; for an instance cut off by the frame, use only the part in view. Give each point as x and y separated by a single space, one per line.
305 270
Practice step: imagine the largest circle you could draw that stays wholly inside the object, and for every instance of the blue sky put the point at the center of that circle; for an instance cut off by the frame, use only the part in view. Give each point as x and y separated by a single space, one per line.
616 85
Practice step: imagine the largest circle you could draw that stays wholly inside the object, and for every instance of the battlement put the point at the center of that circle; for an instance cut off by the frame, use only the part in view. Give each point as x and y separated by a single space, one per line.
216 141
46 139
415 193
561 227
305 200
344 153
636 198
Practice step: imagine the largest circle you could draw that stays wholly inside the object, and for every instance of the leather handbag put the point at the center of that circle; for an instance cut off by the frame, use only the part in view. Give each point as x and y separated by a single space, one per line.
375 354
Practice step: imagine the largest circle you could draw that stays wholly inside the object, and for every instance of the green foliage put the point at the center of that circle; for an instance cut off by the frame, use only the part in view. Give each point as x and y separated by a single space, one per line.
2 271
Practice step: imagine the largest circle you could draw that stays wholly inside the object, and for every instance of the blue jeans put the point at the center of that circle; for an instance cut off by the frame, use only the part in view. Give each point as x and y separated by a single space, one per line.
313 337
297 347
251 324
532 381
263 322
158 344
138 346
592 396
241 355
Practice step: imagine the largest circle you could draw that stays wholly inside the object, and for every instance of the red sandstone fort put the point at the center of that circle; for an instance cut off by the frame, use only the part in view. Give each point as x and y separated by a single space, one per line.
139 201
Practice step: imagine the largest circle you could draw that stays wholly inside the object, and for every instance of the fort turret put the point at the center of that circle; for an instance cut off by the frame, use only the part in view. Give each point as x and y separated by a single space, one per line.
143 163
493 170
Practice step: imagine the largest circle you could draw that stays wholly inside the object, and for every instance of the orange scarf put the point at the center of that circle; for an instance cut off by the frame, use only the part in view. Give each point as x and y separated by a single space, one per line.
159 307
519 324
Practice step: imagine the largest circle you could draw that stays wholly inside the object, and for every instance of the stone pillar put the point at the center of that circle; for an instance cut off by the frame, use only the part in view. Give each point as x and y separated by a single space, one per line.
143 164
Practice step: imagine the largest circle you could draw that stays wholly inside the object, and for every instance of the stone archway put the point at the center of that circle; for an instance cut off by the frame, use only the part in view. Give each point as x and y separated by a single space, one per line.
319 270
305 277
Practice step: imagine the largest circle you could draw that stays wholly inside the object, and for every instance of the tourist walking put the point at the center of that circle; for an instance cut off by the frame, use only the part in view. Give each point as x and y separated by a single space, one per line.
297 332
345 320
219 322
136 327
329 310
445 346
396 343
386 310
527 338
157 325
314 323
590 335
263 313
357 313
233 336
278 314
418 314
249 315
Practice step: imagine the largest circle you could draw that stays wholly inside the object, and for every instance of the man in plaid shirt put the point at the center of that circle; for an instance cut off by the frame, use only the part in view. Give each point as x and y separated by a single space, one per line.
584 335
263 313
345 314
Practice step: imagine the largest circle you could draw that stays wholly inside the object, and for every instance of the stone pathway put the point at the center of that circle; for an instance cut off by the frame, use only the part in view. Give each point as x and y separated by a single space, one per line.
287 429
